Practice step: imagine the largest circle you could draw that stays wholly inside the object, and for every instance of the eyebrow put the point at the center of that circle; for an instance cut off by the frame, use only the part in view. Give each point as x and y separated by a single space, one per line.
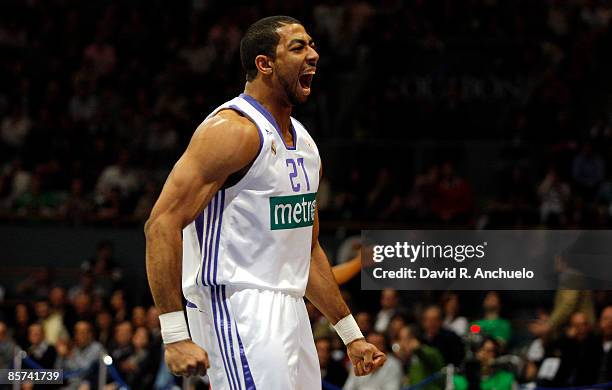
301 42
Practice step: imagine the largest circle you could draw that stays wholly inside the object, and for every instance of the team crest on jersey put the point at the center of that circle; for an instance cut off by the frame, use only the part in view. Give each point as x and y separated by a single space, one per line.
273 147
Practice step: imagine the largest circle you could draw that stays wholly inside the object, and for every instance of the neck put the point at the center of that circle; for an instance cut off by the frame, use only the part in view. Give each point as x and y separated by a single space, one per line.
269 98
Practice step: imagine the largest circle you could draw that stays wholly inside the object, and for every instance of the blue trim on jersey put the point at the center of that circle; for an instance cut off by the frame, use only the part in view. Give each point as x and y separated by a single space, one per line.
192 305
214 308
233 374
199 225
221 207
246 370
211 239
205 266
251 100
261 137
229 332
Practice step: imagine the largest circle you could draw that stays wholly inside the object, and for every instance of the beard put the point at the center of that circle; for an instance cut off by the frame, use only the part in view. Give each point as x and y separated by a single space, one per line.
290 92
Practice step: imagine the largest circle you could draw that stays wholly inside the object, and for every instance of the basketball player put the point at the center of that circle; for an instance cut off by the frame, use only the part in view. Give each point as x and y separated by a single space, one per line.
243 197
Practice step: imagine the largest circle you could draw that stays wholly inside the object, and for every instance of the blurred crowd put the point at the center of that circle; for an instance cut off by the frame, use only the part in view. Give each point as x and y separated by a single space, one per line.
574 190
98 99
434 344
428 336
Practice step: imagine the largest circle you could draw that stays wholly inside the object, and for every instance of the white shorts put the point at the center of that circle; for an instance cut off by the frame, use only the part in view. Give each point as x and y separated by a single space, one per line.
255 339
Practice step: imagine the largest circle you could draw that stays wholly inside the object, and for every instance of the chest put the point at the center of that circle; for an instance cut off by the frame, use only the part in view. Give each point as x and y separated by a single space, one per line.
290 170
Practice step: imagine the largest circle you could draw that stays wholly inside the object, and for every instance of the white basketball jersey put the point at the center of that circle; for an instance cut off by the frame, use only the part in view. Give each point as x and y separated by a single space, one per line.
258 232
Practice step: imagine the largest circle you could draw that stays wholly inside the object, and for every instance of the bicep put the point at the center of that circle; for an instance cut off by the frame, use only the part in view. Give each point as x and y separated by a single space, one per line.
217 149
185 192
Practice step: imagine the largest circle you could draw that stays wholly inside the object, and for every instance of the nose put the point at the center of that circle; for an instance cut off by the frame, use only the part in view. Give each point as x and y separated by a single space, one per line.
312 57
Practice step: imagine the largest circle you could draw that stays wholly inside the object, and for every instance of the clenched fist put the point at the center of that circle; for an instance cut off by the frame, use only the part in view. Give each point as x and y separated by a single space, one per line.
185 358
366 358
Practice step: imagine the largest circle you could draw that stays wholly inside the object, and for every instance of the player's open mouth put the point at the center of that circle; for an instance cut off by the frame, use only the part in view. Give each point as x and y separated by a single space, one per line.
305 80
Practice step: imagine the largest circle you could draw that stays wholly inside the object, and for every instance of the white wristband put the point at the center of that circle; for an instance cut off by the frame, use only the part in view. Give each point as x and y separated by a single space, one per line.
348 330
173 327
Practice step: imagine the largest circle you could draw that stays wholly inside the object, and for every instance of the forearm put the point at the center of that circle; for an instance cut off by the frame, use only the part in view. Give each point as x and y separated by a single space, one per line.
163 258
345 271
322 289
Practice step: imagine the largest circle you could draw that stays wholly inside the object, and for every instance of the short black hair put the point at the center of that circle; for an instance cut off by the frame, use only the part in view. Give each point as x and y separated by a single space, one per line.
261 38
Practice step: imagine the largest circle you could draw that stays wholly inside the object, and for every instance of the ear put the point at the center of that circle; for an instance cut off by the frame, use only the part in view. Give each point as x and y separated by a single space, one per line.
264 64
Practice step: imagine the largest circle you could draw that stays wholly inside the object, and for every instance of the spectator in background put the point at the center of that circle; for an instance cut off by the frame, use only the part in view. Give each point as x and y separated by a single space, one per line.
120 176
37 285
452 320
332 371
111 207
419 197
389 303
121 347
432 334
452 200
22 322
566 303
14 181
81 306
7 347
85 286
138 368
418 360
395 326
119 305
51 322
537 349
104 328
57 300
153 323
81 357
579 349
104 269
76 209
100 55
15 128
319 324
139 317
379 201
388 377
588 171
39 350
364 321
604 359
83 105
554 196
156 347
35 202
146 201
486 373
492 324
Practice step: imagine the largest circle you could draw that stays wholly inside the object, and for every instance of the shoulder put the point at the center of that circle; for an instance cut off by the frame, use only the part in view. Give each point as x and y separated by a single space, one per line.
221 145
226 132
229 122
